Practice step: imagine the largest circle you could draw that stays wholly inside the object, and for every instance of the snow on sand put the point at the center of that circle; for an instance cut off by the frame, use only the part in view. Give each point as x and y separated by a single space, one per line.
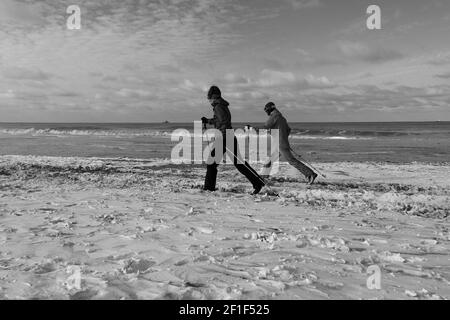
144 230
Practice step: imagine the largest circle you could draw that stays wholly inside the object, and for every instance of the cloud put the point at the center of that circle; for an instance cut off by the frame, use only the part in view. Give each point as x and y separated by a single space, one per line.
340 103
366 53
168 68
366 75
68 94
272 78
273 64
21 14
249 93
443 75
7 95
134 93
375 98
345 102
19 73
142 54
302 4
124 55
236 79
440 59
305 58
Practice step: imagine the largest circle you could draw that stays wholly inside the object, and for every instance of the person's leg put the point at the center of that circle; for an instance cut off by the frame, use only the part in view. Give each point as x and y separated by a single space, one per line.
211 176
255 179
300 166
211 173
244 168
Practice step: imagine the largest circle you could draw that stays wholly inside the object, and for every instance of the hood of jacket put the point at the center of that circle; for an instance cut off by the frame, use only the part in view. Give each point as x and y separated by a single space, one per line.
275 113
220 101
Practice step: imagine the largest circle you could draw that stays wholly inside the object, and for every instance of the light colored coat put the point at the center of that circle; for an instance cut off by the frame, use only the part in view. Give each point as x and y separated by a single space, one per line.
277 121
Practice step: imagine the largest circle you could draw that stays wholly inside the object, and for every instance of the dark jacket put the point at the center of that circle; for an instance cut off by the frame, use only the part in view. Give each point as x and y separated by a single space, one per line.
222 115
277 121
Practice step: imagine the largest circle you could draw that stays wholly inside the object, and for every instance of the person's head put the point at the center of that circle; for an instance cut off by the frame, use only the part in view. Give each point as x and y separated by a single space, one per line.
269 107
213 93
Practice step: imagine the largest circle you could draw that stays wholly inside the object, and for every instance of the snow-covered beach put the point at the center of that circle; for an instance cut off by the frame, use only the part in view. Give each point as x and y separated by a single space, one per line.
143 229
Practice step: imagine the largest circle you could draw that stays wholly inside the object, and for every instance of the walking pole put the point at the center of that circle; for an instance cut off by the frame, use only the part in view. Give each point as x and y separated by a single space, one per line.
304 160
266 184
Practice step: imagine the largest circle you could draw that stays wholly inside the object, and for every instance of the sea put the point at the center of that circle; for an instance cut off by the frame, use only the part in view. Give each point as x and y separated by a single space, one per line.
386 142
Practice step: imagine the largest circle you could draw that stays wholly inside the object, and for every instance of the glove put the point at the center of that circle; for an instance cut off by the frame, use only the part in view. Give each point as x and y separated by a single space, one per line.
204 120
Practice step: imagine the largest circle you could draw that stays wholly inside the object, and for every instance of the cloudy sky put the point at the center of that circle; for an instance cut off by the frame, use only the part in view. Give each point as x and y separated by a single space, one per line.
150 61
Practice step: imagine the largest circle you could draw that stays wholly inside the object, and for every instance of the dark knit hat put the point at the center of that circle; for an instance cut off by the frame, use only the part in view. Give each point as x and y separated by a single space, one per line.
214 92
269 106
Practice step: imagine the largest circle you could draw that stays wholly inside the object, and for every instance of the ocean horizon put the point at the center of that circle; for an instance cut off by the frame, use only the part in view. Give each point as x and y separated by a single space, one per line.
399 142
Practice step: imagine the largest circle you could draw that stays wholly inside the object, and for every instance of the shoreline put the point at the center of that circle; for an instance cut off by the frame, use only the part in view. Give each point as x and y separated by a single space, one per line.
160 161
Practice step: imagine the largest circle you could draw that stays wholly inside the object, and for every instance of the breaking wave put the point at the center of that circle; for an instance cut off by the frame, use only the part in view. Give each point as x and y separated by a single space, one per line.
90 132
160 131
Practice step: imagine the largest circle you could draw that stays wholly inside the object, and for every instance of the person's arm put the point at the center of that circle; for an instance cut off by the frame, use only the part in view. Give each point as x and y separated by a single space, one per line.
205 120
220 117
271 122
212 120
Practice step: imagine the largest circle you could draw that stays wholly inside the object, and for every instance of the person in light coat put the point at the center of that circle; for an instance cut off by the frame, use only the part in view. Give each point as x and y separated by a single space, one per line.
277 121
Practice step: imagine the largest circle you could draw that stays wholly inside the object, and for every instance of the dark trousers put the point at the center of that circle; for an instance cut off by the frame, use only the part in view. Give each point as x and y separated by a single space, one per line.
242 166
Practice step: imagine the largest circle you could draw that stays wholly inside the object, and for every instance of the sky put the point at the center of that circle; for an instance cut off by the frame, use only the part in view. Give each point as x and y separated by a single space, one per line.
152 61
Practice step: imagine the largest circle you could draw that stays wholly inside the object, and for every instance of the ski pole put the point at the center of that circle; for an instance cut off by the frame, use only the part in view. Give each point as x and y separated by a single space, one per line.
300 156
266 184
264 181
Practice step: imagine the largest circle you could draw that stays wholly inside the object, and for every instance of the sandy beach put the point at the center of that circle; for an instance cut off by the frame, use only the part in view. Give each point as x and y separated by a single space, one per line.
143 229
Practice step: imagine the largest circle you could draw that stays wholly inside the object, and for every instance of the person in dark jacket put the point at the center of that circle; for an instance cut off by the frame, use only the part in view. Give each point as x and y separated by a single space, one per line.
222 122
277 121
